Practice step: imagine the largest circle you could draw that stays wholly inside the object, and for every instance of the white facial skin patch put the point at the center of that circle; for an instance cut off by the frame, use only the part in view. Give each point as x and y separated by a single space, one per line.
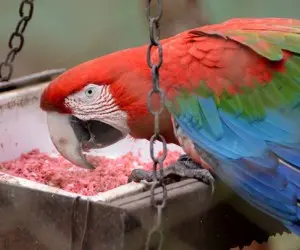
95 102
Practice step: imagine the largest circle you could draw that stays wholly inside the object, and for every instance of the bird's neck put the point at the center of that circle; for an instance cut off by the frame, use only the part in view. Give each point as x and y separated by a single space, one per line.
136 84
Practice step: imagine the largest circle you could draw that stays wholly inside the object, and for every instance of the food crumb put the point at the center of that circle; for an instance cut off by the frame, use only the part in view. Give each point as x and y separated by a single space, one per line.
58 172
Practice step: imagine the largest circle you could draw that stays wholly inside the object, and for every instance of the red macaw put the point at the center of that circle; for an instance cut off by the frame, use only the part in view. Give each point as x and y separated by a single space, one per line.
232 103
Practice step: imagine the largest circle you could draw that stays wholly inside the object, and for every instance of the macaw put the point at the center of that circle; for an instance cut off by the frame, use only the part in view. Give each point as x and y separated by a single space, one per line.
232 103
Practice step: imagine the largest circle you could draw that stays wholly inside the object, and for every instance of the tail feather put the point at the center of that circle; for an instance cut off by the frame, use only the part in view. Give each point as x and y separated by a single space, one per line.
286 214
275 190
290 155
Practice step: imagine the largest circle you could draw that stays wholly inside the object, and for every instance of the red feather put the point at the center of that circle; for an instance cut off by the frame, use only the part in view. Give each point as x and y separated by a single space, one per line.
215 54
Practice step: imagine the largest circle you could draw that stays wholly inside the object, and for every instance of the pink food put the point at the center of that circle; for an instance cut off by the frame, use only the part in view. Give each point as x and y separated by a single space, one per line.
58 172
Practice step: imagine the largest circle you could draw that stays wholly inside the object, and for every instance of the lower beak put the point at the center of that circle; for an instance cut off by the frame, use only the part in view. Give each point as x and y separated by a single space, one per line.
65 139
71 136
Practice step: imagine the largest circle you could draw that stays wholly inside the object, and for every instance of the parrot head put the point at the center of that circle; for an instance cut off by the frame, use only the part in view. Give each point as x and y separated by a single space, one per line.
97 103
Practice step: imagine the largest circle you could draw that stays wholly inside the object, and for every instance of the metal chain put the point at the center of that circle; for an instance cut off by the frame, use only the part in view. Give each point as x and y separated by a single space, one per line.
16 40
158 182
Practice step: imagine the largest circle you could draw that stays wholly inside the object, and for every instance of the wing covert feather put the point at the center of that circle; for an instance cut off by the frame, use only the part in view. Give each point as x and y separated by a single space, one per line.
237 97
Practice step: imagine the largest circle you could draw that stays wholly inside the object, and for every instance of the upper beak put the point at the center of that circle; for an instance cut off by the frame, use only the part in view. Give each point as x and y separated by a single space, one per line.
65 139
71 136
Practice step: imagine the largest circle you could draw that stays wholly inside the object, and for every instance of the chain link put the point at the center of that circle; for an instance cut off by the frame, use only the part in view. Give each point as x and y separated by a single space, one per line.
156 46
16 40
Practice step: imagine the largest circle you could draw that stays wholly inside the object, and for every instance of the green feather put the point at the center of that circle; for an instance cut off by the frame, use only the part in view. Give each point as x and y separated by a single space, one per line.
283 90
257 43
230 105
293 71
282 40
238 106
255 99
203 90
189 107
267 97
268 43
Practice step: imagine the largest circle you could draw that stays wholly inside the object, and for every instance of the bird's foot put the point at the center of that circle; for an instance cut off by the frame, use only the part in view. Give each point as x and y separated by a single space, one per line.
183 168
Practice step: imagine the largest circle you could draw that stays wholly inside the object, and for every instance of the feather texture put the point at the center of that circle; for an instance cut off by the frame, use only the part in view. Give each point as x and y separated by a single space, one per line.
234 91
239 101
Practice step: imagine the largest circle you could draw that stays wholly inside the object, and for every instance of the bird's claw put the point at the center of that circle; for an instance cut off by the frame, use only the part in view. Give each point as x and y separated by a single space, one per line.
183 168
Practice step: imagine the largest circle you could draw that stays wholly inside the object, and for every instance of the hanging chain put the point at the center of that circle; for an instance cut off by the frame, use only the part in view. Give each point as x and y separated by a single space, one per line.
156 90
16 40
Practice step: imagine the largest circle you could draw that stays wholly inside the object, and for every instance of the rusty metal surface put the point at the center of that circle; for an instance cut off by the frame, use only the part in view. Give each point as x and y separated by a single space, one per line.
33 219
32 79
36 220
193 194
191 220
186 200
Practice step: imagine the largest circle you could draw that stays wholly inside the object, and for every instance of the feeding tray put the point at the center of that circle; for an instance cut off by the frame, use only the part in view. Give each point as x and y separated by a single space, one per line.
33 214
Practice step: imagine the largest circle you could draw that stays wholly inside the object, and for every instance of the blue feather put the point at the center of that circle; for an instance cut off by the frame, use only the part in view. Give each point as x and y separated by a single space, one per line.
265 130
209 110
289 154
259 159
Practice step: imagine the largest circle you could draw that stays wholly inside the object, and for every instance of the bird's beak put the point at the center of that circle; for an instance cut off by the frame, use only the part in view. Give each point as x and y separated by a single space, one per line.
65 139
71 136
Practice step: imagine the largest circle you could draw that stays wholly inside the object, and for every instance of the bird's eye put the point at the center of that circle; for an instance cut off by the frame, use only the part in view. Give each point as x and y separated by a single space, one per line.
89 92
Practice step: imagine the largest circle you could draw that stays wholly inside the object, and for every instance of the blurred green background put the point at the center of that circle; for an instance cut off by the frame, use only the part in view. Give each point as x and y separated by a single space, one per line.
64 33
